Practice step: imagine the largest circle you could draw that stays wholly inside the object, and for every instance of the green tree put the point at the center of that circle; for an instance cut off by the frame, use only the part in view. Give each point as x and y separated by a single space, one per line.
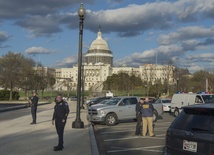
122 82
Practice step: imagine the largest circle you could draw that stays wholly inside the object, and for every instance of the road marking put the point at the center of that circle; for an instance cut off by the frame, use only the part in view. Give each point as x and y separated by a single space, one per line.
140 148
160 128
134 137
116 131
162 122
120 131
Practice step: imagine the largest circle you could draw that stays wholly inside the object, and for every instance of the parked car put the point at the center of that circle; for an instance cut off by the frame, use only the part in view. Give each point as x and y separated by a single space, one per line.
166 104
118 108
73 98
151 99
180 100
192 132
103 101
96 100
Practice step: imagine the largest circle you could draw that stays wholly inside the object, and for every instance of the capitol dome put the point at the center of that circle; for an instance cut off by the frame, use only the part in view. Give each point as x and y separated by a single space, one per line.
99 43
99 52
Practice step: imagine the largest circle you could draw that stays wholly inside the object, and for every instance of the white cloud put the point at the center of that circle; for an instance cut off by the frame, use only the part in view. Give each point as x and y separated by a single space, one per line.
124 21
38 50
67 62
3 36
186 33
202 57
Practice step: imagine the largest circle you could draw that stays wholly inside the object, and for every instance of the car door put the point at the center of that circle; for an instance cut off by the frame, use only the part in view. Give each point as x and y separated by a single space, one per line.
133 107
124 109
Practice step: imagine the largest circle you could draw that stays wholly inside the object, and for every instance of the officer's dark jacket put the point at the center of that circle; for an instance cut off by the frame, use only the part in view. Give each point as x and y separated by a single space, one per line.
138 108
147 109
34 100
61 110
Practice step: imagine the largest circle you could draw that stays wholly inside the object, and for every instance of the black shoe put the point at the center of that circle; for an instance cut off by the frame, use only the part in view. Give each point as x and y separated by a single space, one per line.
33 123
58 148
55 147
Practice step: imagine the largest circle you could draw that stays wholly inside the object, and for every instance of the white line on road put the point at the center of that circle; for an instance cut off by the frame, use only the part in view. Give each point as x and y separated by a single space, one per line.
134 137
120 131
141 148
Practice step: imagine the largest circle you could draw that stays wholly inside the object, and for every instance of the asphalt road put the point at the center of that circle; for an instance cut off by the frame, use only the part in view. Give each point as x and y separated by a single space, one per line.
21 112
121 139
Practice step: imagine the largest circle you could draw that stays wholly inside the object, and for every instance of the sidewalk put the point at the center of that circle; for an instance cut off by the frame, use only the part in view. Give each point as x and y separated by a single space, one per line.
17 136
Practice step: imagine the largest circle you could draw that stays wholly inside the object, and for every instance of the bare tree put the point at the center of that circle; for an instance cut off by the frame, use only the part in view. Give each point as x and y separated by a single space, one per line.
12 70
168 73
149 75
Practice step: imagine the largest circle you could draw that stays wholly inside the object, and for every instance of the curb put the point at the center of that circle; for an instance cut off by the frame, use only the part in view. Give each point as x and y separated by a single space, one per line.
94 147
20 107
13 108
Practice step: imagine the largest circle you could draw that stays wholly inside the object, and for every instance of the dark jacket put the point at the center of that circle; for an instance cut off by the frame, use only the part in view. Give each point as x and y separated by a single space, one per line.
147 109
61 111
34 101
138 109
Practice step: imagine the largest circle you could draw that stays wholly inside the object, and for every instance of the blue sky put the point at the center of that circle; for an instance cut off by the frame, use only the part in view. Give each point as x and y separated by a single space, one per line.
181 31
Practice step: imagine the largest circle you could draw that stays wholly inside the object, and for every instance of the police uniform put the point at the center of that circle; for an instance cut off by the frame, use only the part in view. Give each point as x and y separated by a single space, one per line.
34 102
61 111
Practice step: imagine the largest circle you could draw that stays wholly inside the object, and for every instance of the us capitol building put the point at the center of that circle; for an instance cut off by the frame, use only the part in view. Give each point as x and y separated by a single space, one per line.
98 65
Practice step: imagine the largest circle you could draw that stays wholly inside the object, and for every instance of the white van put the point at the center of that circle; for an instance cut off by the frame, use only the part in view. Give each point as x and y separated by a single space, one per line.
180 100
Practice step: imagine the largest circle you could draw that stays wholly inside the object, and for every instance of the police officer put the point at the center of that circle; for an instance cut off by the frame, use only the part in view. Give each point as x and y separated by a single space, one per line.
34 102
61 111
147 117
138 117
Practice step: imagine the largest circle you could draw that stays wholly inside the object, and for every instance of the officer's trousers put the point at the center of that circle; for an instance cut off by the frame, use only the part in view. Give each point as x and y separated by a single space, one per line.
60 131
138 125
33 112
147 123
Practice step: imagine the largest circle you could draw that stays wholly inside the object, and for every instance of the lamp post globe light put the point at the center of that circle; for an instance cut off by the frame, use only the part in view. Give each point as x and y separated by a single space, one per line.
78 123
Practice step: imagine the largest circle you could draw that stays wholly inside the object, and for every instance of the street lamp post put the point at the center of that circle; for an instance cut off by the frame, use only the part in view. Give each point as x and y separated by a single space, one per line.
177 83
157 92
78 123
145 90
83 81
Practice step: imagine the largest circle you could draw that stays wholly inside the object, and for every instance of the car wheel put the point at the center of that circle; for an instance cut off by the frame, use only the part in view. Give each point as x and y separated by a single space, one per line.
155 116
176 112
111 119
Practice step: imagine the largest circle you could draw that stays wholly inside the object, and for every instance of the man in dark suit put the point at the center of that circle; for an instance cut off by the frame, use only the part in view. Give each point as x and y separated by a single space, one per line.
34 102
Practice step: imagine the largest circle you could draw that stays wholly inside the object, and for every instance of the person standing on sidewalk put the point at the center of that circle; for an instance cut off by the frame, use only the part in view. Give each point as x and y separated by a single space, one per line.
138 117
34 102
147 117
61 111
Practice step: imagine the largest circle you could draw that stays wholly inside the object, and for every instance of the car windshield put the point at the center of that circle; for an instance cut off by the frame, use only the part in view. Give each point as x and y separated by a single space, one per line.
95 99
113 101
166 101
208 98
103 102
